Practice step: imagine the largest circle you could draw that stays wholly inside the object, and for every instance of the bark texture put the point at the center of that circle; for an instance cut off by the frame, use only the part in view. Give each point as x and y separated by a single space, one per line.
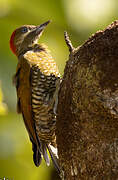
87 122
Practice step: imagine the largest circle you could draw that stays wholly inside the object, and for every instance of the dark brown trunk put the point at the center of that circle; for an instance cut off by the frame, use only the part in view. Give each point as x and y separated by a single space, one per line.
87 122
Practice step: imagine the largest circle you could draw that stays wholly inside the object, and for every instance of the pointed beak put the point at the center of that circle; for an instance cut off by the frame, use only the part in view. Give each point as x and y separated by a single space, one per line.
41 27
35 33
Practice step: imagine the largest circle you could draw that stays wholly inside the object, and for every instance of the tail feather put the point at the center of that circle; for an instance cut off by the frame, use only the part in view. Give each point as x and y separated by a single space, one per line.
54 156
41 149
36 155
44 152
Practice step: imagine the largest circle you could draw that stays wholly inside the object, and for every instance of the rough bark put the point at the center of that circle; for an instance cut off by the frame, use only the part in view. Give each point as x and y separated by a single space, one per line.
87 122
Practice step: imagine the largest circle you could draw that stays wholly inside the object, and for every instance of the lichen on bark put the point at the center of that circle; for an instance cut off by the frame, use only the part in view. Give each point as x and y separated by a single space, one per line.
87 117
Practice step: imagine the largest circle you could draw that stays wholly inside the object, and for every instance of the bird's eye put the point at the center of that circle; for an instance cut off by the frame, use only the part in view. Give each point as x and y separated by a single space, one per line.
24 29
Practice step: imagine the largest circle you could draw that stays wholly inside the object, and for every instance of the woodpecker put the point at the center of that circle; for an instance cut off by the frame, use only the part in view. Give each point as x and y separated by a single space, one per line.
37 80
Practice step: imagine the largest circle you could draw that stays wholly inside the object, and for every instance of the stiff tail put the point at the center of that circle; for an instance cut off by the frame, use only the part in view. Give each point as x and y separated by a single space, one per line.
41 150
36 155
44 152
54 156
53 153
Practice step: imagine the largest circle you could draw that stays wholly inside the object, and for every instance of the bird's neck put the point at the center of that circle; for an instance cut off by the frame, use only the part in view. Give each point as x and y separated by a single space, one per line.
34 48
41 57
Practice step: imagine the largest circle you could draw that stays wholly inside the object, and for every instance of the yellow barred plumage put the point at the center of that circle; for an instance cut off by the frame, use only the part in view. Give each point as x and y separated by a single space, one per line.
43 60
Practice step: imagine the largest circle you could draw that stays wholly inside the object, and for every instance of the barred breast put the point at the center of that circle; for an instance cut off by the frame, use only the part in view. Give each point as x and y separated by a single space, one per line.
43 88
44 77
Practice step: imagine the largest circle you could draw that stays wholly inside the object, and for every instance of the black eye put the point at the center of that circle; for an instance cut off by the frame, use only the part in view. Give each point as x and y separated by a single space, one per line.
24 29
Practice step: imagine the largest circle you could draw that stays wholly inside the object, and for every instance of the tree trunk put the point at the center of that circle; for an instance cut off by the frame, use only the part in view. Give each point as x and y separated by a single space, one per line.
87 120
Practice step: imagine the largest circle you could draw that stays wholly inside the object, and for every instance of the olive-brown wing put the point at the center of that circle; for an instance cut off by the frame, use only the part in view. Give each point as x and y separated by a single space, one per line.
24 104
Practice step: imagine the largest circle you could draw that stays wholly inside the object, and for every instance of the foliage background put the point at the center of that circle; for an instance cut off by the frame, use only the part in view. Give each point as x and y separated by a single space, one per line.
80 18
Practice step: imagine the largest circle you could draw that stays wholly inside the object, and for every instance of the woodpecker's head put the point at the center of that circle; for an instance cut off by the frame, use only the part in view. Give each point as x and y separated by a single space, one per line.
26 36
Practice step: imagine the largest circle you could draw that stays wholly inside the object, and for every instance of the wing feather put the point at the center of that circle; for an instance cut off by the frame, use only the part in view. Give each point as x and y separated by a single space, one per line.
22 82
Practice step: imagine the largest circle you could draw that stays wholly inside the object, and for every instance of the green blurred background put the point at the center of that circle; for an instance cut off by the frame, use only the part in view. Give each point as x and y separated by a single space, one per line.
80 18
